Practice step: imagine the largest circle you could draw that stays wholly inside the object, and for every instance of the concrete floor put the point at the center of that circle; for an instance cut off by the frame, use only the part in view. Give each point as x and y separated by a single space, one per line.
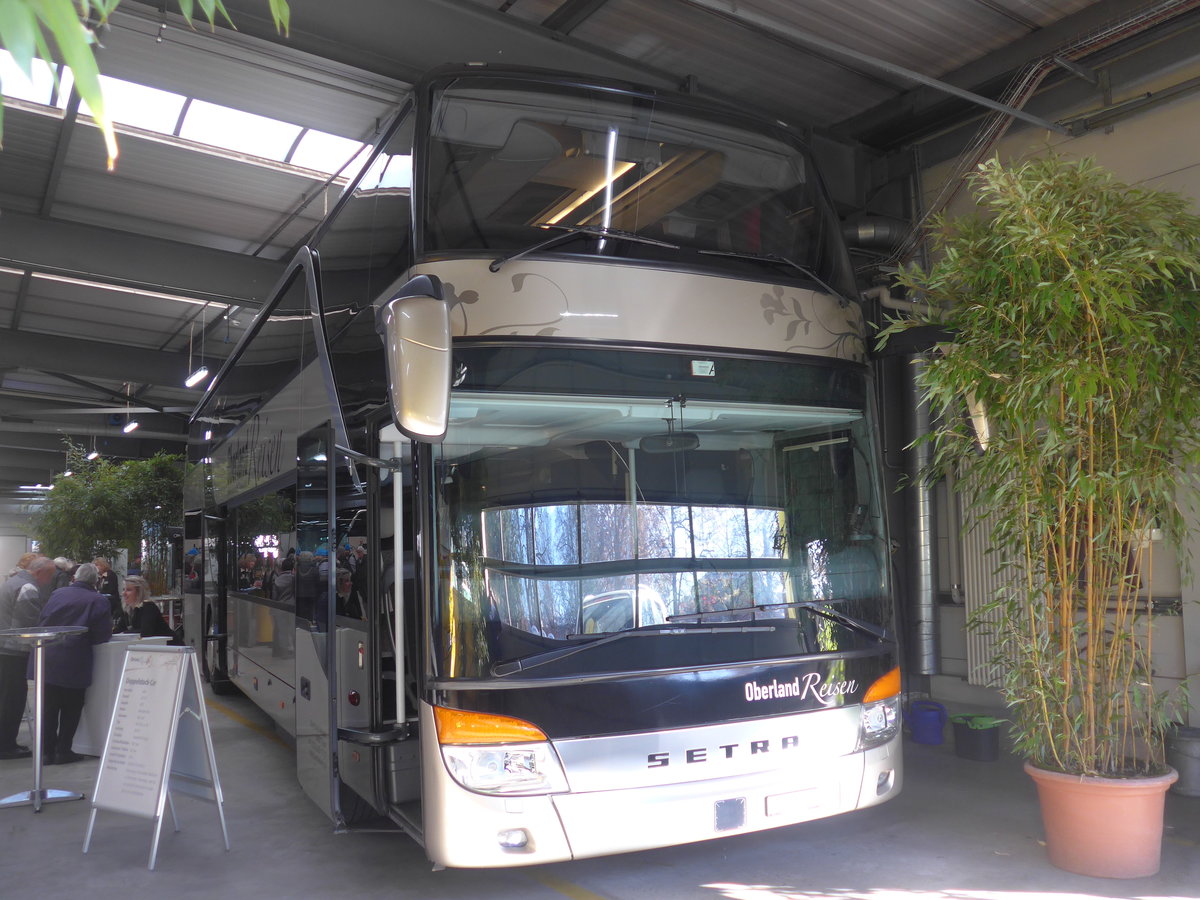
960 830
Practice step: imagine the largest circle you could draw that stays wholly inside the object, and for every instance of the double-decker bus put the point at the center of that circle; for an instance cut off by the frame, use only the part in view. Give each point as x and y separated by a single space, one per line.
541 503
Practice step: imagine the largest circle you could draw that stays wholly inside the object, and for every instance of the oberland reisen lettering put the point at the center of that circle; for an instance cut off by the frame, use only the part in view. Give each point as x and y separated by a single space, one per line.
257 452
801 686
807 686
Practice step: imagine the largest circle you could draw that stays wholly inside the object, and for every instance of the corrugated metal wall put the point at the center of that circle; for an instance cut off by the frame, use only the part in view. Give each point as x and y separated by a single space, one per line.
980 583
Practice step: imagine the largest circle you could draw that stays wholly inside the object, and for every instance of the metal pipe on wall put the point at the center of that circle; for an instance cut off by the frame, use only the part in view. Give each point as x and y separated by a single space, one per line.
923 655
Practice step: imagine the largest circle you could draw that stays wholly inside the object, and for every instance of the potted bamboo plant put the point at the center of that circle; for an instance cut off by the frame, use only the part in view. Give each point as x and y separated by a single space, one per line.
1074 304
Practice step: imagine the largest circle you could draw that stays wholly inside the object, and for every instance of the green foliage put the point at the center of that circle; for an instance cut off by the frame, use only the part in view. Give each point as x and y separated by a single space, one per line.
106 505
28 27
1074 304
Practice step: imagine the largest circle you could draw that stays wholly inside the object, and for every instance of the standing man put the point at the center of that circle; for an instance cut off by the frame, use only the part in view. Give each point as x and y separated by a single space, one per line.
21 599
68 662
109 585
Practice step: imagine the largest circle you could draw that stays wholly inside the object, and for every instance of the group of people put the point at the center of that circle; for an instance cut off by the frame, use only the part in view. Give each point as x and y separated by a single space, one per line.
298 579
41 591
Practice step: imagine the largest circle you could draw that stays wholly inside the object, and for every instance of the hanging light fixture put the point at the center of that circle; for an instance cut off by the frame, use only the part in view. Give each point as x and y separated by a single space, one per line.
201 371
130 422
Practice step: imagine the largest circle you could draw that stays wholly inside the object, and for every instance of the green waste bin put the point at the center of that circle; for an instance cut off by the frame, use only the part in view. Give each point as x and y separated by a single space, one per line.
1183 755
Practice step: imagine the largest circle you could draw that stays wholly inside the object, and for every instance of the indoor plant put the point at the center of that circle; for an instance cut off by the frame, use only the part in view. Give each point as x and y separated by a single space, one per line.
1073 303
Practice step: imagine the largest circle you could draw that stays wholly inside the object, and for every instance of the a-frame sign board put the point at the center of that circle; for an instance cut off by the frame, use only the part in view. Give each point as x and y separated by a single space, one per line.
158 741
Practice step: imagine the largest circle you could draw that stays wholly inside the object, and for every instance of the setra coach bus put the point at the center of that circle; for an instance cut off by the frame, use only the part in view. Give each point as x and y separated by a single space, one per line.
541 502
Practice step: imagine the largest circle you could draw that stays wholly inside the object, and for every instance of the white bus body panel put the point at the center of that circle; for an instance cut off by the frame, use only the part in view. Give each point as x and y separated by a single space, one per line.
609 301
805 768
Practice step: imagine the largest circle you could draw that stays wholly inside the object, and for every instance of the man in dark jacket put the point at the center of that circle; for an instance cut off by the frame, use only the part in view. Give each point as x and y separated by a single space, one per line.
109 585
68 663
21 598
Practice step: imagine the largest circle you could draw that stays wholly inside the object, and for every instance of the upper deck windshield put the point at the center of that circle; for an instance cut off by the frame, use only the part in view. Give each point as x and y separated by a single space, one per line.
715 532
513 163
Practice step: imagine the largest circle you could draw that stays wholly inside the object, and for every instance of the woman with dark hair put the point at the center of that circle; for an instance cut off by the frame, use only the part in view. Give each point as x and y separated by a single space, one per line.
139 613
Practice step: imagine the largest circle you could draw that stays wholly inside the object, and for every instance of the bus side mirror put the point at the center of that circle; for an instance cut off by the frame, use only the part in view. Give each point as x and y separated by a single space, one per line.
415 326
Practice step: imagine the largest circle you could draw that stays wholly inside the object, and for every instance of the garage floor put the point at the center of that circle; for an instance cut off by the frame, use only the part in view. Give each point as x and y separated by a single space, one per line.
960 830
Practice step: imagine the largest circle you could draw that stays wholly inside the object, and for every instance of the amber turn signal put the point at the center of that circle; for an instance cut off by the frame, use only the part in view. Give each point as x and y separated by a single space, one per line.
460 726
885 686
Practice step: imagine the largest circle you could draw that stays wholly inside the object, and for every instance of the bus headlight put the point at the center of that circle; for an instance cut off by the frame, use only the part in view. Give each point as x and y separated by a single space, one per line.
880 719
495 754
524 769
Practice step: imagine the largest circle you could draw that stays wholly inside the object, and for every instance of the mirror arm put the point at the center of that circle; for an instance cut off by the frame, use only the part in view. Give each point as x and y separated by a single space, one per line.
392 465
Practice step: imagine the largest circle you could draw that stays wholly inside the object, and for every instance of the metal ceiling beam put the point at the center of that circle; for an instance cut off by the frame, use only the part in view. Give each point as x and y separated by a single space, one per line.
19 302
66 129
91 359
33 460
35 442
112 395
133 261
140 410
404 39
141 434
571 15
989 73
18 475
739 14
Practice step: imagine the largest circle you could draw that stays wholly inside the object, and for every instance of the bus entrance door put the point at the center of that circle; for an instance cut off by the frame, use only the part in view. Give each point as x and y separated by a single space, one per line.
315 736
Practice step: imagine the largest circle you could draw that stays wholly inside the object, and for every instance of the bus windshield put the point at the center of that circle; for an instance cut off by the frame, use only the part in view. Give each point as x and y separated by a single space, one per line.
515 166
717 532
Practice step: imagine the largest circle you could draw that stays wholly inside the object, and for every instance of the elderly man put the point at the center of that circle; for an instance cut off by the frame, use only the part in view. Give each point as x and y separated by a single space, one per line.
68 662
21 599
109 585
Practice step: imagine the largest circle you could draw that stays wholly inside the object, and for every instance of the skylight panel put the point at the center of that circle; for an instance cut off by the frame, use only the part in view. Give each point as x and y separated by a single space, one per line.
220 126
139 105
14 83
325 152
388 172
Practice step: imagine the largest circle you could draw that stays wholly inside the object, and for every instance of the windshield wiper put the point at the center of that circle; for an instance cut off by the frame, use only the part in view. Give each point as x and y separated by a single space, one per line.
598 232
539 659
781 261
820 607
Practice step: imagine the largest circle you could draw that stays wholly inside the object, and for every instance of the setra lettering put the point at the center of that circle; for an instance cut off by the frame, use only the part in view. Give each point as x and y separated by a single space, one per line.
695 755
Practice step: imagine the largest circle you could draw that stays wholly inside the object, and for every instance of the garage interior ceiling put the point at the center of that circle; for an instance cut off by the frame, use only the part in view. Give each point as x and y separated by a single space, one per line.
114 285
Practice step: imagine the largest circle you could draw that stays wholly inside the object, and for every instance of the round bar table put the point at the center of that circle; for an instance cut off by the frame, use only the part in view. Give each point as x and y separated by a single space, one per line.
37 637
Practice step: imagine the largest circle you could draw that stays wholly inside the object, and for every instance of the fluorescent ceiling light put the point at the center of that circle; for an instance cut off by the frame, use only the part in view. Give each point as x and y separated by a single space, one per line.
196 377
126 289
94 454
130 426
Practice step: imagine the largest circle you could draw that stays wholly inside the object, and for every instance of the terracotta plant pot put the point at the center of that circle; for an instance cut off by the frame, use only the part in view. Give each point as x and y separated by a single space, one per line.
1105 827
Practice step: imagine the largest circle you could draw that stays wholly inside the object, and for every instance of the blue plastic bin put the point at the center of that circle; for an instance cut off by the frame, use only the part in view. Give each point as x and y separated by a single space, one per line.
926 721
